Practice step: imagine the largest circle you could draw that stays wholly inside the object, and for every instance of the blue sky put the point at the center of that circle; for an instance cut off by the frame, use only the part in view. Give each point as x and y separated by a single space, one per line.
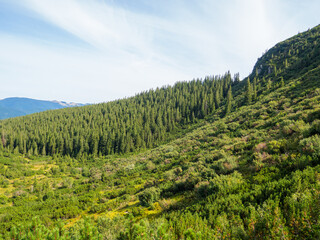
100 50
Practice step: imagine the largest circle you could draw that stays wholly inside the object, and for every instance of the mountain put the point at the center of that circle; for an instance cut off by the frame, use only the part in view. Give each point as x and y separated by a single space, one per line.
213 158
14 107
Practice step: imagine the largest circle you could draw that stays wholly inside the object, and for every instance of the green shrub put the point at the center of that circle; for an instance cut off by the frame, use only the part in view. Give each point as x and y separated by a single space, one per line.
3 199
149 196
311 145
226 164
315 127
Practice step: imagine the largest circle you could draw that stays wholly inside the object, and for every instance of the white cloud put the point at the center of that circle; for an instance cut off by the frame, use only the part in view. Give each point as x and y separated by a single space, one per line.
74 75
105 27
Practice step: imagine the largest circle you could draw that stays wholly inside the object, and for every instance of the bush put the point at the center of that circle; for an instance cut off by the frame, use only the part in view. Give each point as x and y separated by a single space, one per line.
311 145
149 196
3 199
315 127
226 164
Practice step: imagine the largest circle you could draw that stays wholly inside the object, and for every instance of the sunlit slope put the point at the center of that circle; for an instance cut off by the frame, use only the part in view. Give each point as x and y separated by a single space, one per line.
250 171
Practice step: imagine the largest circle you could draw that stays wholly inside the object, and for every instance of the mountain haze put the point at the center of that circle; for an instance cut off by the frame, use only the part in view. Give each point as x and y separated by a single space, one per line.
15 106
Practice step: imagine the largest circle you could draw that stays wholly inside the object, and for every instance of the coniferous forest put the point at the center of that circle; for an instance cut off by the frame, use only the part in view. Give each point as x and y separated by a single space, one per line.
212 158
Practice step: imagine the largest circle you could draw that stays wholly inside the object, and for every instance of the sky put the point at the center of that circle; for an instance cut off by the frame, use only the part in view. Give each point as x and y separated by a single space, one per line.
92 51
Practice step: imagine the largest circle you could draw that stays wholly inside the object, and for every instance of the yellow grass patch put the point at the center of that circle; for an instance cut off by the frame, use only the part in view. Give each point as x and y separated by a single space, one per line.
72 221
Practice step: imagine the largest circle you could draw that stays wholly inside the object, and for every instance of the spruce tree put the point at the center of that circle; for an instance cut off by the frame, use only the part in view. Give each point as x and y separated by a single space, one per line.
217 99
281 82
44 150
236 78
248 92
229 101
255 89
269 83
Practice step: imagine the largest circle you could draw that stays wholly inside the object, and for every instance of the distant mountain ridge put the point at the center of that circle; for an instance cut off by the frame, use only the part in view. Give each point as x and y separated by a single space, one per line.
19 106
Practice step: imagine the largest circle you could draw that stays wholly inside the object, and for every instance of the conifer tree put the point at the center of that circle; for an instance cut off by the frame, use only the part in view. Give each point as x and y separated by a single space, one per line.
269 83
255 89
236 78
229 101
217 99
248 92
281 82
44 150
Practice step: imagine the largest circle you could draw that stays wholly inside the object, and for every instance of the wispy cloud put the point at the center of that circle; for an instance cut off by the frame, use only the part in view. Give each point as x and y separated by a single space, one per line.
74 74
133 47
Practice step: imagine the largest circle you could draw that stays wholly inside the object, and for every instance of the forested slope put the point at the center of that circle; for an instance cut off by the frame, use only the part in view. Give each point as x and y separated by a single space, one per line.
247 168
126 125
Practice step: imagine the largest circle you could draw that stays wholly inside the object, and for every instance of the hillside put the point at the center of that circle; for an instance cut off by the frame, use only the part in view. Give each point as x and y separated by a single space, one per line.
127 125
216 158
15 107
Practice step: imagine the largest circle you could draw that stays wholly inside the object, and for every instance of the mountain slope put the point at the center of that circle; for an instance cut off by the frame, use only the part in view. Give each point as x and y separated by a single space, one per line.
14 107
296 55
250 173
126 125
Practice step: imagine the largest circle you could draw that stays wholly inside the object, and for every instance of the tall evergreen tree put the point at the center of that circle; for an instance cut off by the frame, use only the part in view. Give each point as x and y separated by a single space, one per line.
236 78
269 84
217 99
44 150
281 82
229 101
248 92
255 89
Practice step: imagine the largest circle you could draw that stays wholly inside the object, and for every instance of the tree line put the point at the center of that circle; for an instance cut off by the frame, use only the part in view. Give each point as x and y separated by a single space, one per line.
120 126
